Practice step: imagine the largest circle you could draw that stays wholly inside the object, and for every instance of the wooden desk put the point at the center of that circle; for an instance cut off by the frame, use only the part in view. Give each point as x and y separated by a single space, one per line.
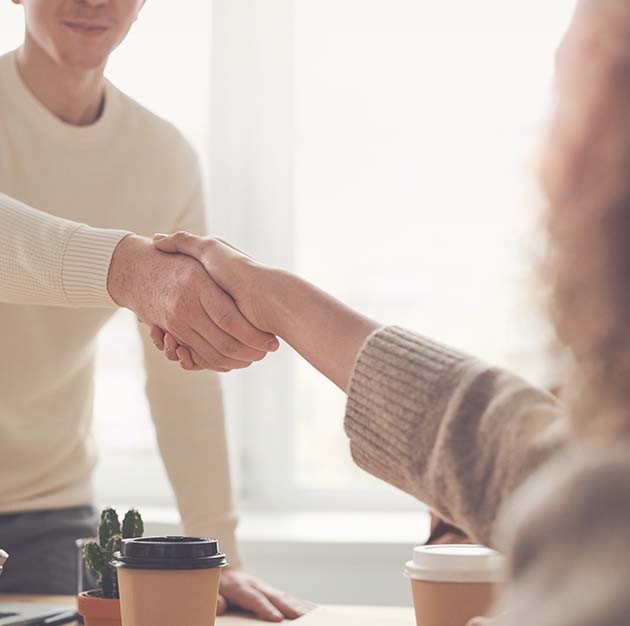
323 616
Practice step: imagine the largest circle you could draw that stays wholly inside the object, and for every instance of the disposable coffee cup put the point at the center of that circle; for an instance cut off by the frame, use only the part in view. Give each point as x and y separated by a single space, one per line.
169 581
451 584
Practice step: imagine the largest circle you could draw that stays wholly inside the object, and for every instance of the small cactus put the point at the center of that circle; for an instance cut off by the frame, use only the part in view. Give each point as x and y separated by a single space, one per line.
109 526
98 555
132 525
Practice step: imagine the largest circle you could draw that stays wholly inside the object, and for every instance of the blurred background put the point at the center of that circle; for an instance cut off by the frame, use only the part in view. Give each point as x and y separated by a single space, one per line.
384 149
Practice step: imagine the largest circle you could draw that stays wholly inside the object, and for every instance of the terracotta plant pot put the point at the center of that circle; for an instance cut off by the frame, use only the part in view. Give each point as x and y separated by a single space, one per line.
98 611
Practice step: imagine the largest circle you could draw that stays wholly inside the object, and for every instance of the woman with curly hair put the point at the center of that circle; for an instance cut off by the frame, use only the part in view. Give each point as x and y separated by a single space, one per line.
546 480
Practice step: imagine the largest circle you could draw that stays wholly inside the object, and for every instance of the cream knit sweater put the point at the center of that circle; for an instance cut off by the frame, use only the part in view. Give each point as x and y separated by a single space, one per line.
132 171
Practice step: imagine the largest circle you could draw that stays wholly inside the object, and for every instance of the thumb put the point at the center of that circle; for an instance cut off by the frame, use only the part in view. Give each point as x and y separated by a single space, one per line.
181 242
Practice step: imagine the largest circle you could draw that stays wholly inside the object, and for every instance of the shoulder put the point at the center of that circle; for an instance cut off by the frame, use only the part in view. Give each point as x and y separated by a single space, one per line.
153 134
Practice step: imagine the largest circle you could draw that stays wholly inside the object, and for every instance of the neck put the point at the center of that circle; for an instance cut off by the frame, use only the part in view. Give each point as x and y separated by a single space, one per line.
75 96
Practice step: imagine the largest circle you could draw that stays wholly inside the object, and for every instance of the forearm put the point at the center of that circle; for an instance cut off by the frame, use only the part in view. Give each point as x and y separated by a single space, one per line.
447 428
47 260
326 332
451 430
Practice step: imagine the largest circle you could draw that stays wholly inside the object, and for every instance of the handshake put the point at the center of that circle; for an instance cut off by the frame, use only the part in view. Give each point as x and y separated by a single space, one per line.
211 306
202 299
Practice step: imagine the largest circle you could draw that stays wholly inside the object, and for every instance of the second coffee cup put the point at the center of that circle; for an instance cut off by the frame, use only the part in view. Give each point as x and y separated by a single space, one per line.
453 583
166 581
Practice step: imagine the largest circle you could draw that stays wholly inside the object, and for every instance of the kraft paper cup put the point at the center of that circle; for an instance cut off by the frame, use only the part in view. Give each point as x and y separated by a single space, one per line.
168 581
451 584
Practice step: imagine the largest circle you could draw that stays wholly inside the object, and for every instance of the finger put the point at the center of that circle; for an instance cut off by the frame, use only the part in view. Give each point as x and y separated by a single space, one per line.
170 347
189 359
253 600
290 607
181 242
185 359
223 311
226 344
221 605
213 358
157 336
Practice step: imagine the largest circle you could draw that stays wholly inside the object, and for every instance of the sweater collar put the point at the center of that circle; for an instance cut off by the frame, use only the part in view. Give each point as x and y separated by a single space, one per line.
75 137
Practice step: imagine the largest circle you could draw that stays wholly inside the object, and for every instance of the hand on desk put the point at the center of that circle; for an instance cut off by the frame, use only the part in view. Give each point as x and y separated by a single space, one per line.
238 590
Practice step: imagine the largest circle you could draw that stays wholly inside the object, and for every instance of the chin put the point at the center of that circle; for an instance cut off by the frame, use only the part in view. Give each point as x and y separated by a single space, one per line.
83 60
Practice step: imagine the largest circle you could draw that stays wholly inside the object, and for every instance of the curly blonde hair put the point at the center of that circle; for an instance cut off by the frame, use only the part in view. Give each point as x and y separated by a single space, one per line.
586 178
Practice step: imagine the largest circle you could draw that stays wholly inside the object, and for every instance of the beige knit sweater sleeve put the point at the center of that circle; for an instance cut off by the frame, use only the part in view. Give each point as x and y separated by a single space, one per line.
456 433
46 260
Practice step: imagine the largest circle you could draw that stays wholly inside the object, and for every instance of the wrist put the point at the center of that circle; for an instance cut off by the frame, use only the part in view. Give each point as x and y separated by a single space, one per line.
124 270
276 289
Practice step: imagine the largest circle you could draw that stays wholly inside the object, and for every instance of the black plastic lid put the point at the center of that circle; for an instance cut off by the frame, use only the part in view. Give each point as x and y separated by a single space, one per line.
170 553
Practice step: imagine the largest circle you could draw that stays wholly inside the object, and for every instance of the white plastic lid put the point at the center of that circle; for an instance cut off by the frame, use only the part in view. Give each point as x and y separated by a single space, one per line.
456 563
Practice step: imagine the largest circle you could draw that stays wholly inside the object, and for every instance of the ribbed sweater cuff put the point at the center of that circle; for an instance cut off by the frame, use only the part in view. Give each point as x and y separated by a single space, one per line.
396 375
224 532
86 263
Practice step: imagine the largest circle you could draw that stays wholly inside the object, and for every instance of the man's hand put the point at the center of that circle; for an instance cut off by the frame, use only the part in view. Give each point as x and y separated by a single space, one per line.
236 272
175 293
238 590
246 280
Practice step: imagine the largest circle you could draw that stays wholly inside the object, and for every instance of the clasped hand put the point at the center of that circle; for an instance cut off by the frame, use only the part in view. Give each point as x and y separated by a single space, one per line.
194 306
237 276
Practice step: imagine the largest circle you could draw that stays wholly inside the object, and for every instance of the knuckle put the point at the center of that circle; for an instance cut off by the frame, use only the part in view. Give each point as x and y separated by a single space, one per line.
226 317
174 310
229 347
216 363
200 362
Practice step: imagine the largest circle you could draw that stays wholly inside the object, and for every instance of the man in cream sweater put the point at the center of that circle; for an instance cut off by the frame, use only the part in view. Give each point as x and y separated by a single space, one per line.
74 146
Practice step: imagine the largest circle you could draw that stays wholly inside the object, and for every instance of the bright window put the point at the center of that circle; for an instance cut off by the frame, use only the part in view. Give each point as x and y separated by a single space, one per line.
384 149
417 123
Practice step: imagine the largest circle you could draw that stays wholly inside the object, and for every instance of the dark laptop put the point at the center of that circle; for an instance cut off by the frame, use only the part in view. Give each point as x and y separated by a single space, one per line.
22 614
